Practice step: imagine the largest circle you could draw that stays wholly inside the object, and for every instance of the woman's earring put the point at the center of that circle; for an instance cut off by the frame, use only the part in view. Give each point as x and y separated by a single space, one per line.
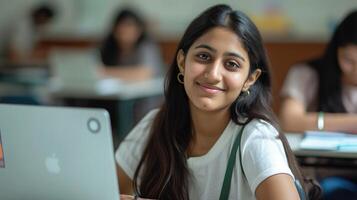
244 93
180 77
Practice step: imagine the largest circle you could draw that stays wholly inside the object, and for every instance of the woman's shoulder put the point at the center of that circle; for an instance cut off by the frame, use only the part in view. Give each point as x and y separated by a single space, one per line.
302 70
142 129
131 149
149 116
262 153
301 83
259 128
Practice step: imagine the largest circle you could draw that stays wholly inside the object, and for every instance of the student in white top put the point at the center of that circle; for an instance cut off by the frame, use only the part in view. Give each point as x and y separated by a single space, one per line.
218 83
321 94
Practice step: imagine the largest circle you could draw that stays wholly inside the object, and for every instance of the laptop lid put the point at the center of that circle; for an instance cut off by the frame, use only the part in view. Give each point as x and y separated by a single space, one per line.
78 70
56 153
74 65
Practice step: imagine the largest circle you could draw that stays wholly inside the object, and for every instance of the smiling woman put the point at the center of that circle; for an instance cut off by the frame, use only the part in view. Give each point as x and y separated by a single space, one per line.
216 110
216 70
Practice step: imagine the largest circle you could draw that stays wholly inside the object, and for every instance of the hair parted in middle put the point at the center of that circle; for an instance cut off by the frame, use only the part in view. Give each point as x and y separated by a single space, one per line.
162 172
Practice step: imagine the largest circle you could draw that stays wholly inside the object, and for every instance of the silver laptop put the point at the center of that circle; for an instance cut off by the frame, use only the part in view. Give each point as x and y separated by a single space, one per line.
56 153
75 70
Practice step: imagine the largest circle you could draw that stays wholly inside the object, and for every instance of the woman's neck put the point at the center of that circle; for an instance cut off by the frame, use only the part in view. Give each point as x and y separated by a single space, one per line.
209 123
207 128
348 82
126 48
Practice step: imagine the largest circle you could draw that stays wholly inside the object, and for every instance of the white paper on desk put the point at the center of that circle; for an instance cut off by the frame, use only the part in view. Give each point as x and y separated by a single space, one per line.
101 86
322 140
108 85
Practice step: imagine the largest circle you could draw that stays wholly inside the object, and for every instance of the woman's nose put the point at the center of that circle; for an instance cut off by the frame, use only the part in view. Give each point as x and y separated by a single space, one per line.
213 72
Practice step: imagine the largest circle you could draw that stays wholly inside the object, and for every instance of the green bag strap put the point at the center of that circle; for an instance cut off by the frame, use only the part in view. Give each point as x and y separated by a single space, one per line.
226 187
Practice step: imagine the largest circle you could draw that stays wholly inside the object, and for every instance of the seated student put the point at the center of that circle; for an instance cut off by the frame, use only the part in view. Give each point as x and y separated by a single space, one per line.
128 52
218 88
24 39
322 94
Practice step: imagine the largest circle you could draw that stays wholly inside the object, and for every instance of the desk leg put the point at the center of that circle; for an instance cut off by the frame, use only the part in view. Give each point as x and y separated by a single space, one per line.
125 117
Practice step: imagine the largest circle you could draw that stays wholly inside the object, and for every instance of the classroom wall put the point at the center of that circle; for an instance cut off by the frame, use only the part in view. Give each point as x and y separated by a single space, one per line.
305 18
306 27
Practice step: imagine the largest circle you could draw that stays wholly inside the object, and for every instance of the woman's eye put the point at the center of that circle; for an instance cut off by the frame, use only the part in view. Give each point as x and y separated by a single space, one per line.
232 65
203 56
347 60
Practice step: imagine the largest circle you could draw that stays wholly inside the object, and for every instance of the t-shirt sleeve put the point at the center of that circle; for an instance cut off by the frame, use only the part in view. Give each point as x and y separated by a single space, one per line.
131 149
263 153
301 84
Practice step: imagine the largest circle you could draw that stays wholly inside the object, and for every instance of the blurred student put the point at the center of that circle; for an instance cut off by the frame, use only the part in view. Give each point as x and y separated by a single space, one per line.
25 37
128 52
217 98
321 94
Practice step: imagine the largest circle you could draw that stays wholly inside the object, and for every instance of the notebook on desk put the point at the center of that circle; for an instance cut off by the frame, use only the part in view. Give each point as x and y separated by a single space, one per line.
75 70
329 141
56 153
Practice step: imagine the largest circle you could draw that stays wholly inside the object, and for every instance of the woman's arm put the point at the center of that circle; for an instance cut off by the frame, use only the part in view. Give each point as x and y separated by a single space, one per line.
125 183
135 73
276 187
294 118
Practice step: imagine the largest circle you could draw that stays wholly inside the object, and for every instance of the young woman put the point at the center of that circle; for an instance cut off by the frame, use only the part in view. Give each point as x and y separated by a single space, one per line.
218 85
322 93
128 52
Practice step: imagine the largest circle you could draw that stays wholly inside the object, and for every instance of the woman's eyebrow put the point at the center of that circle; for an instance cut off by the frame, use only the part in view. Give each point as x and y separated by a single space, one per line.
234 55
205 46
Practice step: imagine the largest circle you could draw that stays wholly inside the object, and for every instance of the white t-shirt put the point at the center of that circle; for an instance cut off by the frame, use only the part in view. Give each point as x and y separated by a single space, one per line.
302 84
262 156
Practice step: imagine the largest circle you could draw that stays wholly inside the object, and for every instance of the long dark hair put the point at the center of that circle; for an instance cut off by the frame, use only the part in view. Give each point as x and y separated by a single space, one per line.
162 171
110 50
328 68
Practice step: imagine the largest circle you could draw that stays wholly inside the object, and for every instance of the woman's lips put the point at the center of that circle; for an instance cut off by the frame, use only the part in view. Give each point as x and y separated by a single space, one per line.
211 89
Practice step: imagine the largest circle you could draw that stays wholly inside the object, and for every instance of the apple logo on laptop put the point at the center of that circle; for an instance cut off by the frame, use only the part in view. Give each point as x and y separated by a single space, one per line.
52 164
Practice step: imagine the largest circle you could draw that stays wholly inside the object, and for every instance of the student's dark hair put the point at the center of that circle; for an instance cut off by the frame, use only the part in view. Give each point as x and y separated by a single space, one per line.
162 171
43 10
328 68
110 49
